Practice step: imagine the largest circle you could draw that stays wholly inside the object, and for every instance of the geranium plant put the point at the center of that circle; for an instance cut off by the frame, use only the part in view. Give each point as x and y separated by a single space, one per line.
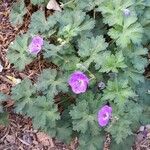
99 48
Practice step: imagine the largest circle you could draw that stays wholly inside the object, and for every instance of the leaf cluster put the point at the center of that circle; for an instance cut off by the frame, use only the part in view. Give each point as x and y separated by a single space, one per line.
109 45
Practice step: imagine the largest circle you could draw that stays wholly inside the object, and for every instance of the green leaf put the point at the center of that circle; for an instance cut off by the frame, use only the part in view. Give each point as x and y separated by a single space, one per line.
143 92
3 96
89 142
64 127
85 5
17 52
84 114
68 62
113 62
145 21
145 115
39 24
118 91
1 109
63 133
113 9
124 120
37 2
18 10
125 145
71 23
45 109
23 93
51 82
131 31
120 130
91 49
133 75
140 66
52 51
4 119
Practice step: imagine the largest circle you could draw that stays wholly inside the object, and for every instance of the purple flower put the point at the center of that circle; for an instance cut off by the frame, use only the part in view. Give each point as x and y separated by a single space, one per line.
104 115
127 12
78 82
36 45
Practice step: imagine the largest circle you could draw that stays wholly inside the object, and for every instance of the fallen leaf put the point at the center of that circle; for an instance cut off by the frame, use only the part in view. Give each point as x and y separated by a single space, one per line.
14 80
53 5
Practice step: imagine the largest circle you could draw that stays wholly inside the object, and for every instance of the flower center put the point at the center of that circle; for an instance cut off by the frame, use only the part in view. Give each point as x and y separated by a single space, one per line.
37 45
105 116
80 82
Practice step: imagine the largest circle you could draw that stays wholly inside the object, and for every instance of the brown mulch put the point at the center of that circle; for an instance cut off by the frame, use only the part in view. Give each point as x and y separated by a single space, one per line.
143 138
19 134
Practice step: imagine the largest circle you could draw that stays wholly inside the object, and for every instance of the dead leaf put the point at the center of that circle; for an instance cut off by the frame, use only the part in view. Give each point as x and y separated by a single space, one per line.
53 5
4 88
14 80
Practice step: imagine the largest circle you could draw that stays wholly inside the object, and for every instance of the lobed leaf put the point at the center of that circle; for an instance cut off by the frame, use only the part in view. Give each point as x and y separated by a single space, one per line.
84 114
18 10
50 82
18 52
92 50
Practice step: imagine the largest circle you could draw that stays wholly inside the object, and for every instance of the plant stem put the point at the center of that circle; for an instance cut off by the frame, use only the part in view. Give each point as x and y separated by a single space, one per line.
90 73
62 5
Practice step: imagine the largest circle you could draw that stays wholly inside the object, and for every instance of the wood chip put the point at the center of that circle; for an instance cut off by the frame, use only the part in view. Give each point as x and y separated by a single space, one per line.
10 138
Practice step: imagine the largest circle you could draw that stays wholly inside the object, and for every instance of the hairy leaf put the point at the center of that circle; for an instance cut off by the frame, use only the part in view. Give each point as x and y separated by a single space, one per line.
44 113
4 119
18 10
143 91
125 145
51 82
119 91
92 49
23 94
84 114
112 62
130 31
18 52
89 142
39 24
113 9
72 23
35 2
